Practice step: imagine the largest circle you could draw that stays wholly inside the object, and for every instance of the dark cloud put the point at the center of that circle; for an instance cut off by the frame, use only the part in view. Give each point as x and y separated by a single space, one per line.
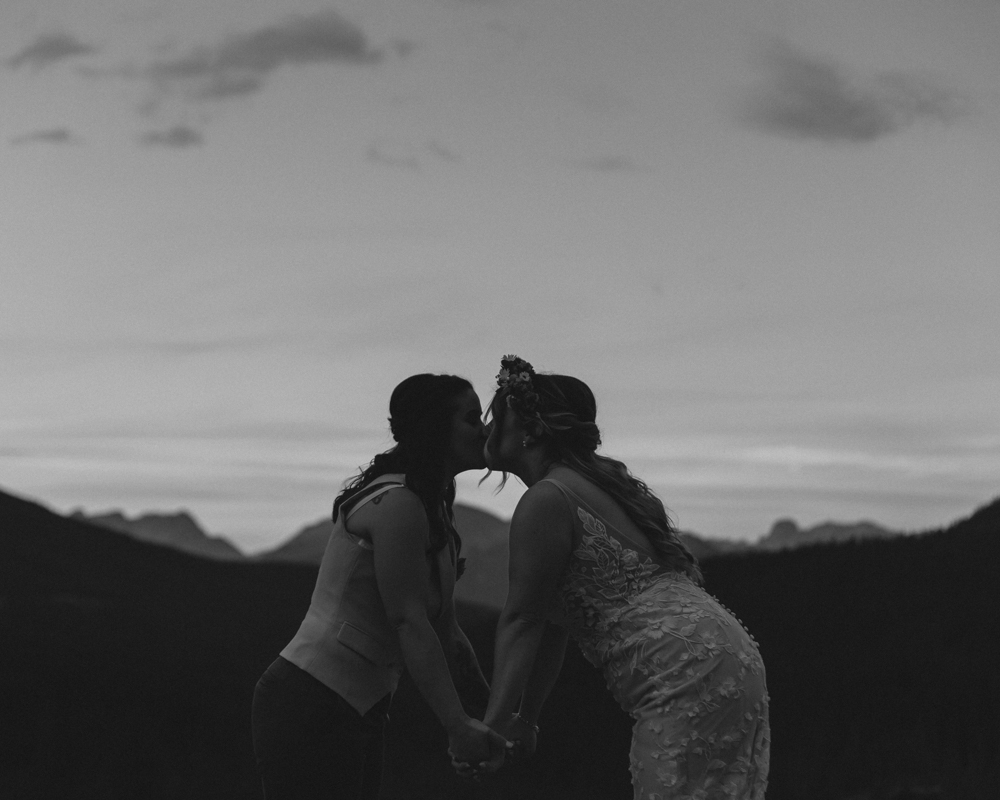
239 65
48 49
177 136
49 136
809 98
222 86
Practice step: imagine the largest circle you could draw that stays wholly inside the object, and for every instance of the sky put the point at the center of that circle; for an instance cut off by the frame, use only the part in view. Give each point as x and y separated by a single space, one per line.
764 232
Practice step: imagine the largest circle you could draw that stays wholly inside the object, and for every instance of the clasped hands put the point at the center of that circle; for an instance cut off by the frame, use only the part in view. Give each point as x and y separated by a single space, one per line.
512 738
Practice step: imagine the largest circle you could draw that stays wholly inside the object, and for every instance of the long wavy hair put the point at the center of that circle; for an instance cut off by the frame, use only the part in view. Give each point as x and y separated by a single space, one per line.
421 410
566 409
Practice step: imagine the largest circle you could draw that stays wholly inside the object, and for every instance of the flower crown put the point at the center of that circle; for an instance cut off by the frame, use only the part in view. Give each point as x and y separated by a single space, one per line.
515 378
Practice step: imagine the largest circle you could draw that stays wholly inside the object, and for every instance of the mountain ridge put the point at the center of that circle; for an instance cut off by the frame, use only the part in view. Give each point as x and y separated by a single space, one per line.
179 530
484 542
123 659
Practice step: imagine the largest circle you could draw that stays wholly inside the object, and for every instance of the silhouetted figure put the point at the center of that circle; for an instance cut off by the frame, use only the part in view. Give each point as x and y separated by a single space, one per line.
384 599
594 556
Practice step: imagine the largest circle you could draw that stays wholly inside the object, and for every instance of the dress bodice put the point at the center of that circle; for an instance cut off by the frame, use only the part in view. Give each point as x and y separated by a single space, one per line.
674 658
608 585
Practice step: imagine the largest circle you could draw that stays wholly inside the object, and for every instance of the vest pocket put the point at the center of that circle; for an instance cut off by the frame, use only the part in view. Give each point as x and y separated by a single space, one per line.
365 645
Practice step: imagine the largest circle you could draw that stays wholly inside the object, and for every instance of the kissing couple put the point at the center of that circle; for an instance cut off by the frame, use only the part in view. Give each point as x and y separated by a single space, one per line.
593 557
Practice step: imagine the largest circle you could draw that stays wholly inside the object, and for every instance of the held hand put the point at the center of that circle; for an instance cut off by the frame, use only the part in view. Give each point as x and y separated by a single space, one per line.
500 750
475 748
523 735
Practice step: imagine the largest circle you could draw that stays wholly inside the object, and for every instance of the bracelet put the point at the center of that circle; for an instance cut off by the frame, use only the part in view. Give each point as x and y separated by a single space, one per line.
523 720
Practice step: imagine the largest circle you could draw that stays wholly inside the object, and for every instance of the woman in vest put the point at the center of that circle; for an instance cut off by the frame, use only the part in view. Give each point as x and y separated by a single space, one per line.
383 601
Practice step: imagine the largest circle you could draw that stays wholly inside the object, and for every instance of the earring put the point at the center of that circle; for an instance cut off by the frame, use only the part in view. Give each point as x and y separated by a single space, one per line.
524 442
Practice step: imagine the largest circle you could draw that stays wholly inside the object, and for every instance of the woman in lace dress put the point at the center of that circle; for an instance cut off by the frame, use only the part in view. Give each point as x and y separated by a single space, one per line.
594 557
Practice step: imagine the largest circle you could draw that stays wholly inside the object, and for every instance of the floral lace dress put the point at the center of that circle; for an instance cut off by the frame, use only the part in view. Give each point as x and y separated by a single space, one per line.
676 660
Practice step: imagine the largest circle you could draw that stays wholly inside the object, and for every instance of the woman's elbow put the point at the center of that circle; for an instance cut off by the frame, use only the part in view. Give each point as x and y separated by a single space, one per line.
526 617
404 620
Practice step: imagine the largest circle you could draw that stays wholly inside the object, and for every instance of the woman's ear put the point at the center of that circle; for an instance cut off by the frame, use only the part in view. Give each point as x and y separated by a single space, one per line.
534 430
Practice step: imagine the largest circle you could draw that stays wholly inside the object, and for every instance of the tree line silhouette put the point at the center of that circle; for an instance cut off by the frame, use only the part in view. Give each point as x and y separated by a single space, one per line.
127 670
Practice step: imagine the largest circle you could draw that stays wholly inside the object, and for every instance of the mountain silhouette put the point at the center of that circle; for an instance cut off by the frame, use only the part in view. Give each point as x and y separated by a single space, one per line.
127 669
484 546
484 543
485 549
479 529
785 533
179 530
304 547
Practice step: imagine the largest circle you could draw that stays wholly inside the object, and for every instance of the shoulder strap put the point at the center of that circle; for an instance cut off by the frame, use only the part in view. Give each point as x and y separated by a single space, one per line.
576 501
568 493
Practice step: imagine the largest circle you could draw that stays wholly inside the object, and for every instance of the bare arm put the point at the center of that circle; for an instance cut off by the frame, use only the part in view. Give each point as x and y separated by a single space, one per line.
548 664
541 536
398 537
472 686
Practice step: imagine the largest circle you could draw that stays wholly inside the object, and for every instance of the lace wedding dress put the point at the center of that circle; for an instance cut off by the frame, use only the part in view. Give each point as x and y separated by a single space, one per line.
676 660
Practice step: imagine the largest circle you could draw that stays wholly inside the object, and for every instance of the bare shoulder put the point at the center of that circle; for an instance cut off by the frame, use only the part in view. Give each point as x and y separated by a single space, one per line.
572 479
397 510
542 537
399 501
542 505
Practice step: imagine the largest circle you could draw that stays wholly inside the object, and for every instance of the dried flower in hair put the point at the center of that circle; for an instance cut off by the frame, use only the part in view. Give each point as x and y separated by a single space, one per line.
515 378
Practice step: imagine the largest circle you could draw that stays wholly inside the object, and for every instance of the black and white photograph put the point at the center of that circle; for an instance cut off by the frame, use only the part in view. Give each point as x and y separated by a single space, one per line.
500 399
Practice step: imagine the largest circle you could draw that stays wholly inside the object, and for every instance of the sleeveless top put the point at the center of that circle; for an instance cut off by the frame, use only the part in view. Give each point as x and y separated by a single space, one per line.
346 640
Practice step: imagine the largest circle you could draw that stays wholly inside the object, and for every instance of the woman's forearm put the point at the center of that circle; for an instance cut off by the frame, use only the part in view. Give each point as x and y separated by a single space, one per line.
470 683
425 659
548 664
463 661
517 641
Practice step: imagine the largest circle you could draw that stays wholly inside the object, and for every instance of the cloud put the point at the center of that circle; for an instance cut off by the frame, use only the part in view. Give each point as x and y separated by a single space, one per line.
48 49
809 98
239 65
57 436
234 66
131 346
609 164
195 345
177 136
49 136
403 47
437 149
388 156
405 155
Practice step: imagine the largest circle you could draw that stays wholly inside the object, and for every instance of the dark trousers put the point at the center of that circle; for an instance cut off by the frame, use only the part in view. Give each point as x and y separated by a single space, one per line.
310 743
